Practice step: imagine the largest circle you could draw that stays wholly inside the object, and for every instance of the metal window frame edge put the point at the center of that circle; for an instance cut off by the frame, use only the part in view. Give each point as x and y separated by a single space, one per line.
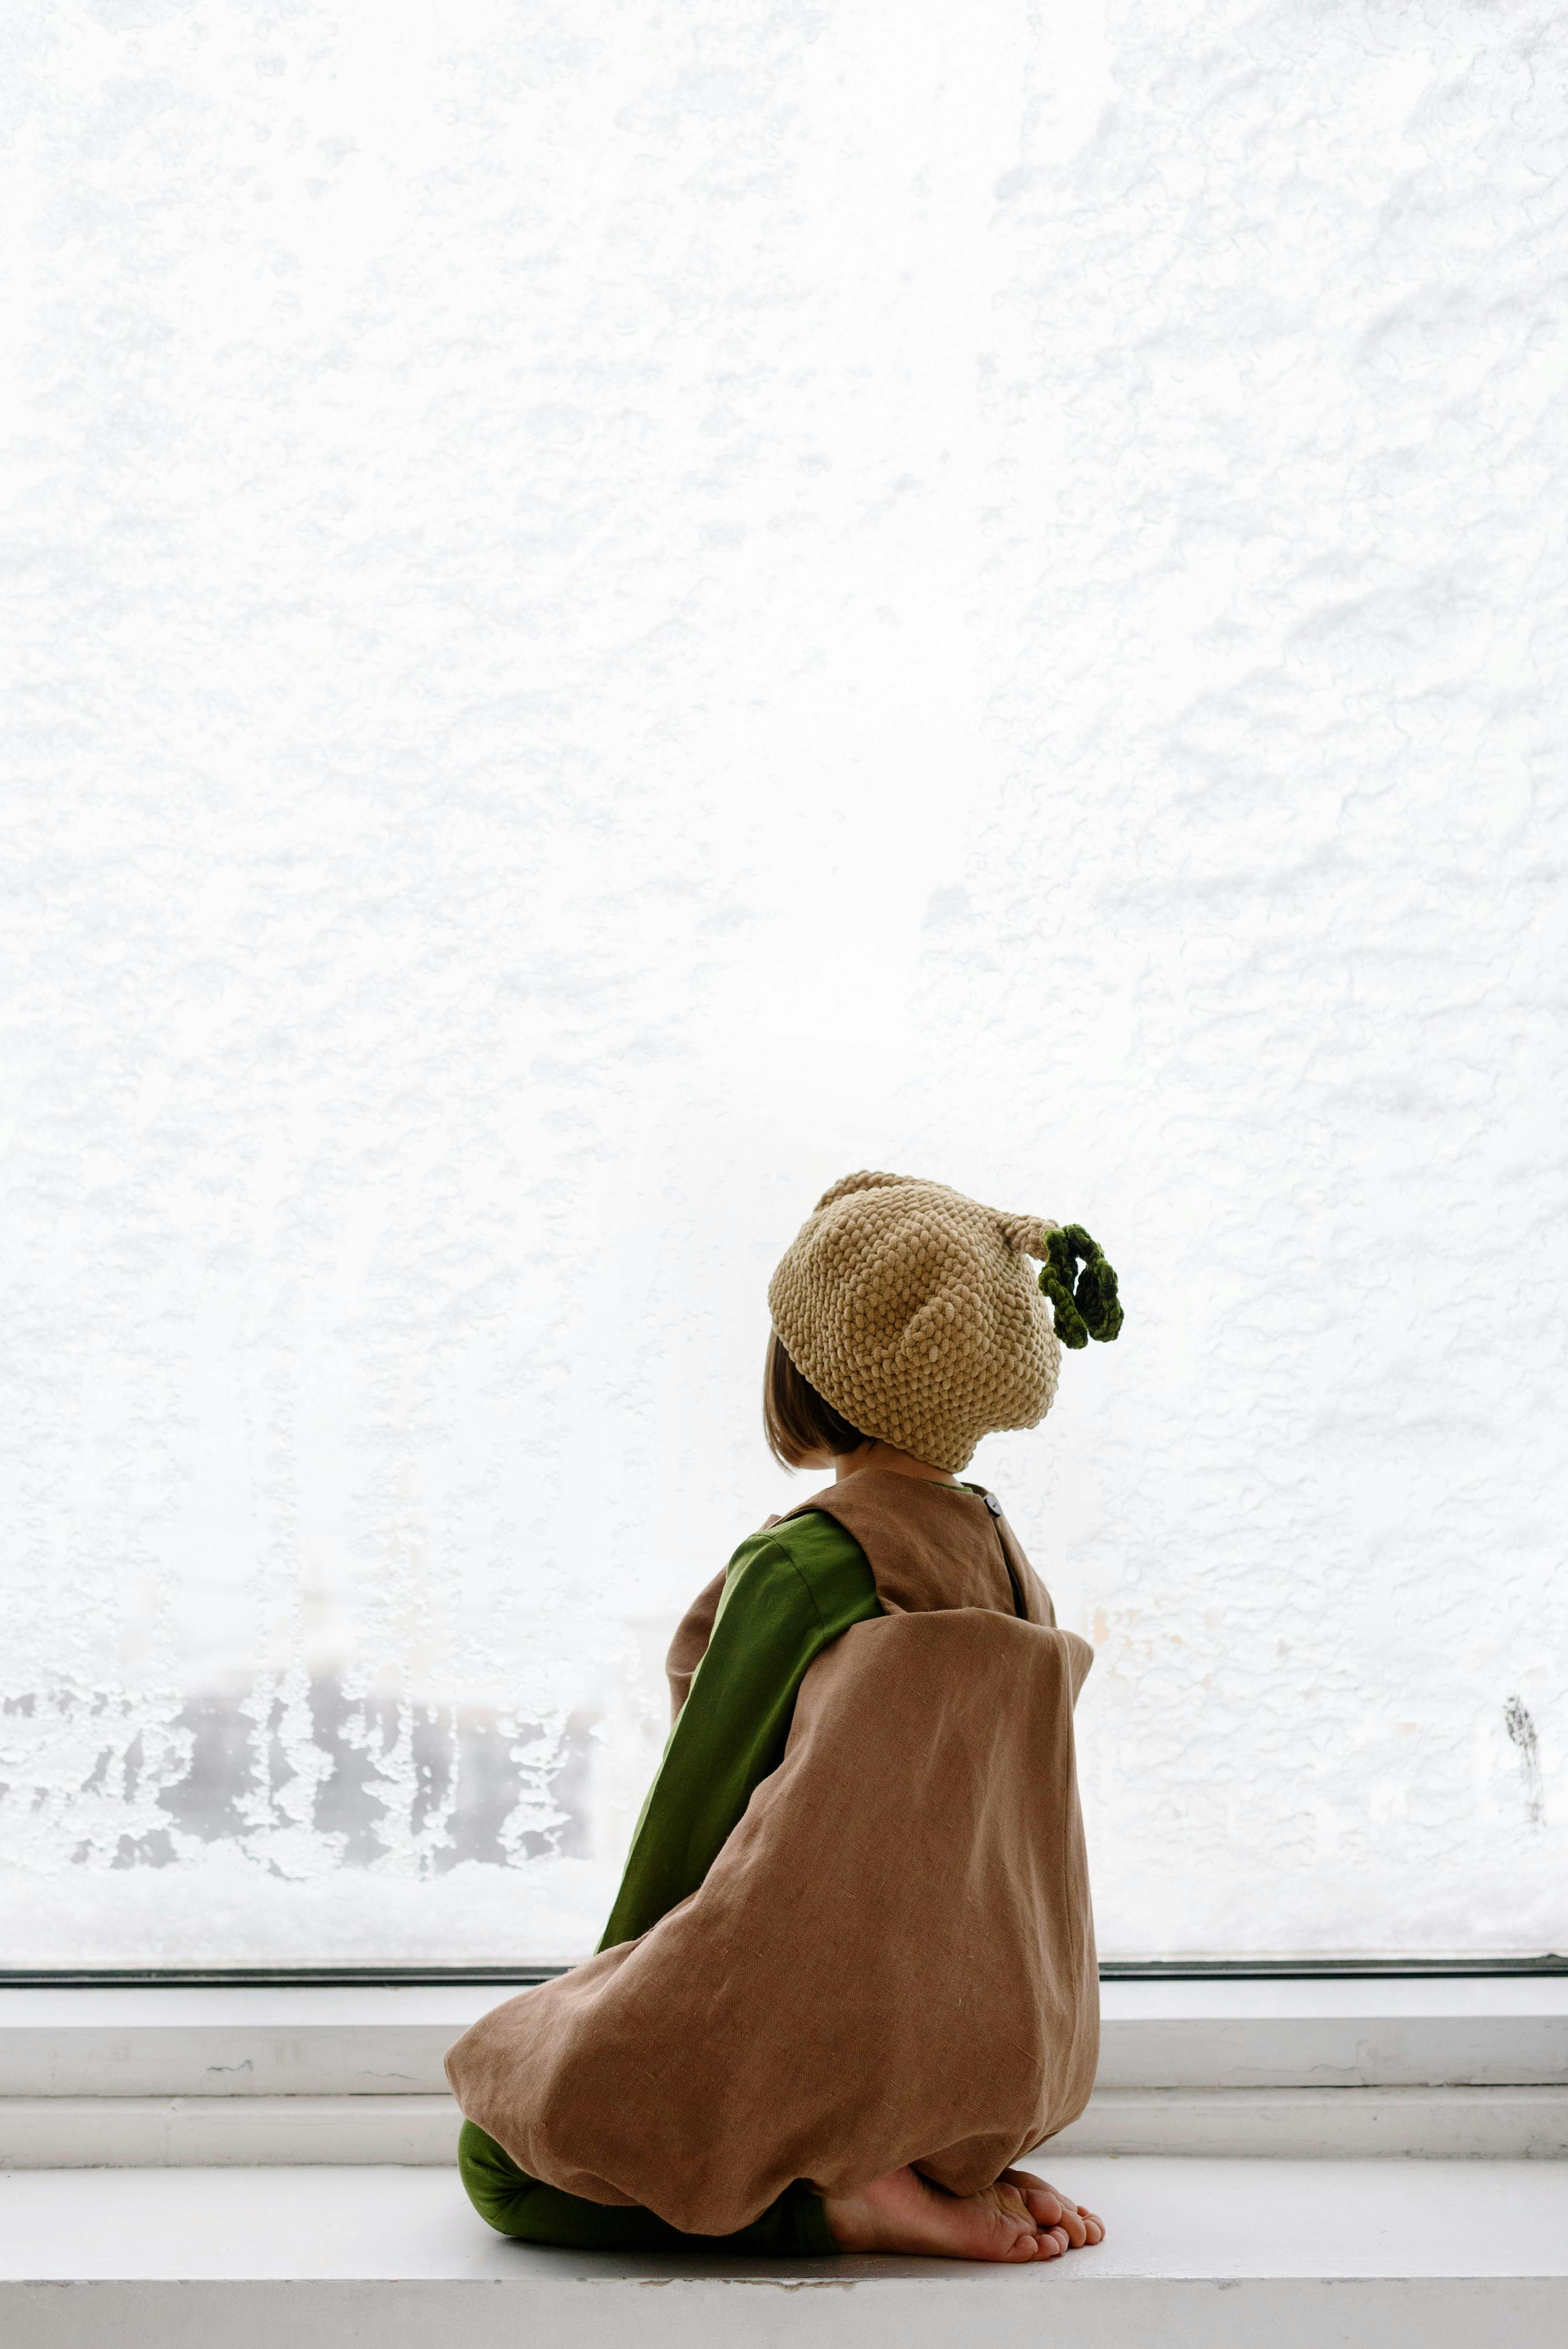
1189 1969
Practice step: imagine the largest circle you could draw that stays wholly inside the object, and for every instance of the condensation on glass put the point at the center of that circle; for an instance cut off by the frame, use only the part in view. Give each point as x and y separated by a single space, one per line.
618 623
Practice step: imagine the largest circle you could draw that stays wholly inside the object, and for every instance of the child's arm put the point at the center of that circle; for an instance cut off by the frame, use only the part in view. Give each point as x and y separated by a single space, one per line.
788 1593
689 1644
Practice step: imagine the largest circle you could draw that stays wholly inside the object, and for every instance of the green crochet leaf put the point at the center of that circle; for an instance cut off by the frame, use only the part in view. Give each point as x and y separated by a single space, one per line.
1057 1283
1091 1308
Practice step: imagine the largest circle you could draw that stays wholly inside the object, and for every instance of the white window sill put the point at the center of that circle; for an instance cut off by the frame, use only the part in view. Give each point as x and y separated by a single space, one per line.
1456 2066
1199 2255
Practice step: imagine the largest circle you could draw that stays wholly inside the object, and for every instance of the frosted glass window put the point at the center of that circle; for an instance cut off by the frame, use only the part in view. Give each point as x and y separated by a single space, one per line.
614 614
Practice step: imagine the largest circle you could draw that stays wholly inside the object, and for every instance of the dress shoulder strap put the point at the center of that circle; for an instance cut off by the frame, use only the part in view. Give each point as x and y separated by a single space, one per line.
933 1545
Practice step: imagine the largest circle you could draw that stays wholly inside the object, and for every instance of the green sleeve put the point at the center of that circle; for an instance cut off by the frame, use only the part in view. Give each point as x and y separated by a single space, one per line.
788 1593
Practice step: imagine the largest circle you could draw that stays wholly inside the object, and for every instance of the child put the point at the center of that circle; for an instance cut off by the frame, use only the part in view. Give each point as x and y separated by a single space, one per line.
849 1977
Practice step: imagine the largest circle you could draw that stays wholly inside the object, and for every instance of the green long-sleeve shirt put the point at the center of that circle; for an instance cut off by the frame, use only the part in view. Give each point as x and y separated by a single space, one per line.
788 1592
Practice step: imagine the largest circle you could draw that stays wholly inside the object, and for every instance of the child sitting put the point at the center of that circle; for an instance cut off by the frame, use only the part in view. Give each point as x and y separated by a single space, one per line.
849 1978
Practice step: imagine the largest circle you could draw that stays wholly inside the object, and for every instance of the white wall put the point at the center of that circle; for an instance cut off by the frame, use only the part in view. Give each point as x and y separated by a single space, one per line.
621 612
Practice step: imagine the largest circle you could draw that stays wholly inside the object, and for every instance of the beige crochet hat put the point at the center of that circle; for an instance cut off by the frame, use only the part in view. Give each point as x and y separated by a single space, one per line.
915 1312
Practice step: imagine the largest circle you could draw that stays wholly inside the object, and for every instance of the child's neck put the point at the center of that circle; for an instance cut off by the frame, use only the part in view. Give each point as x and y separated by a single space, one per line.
887 1456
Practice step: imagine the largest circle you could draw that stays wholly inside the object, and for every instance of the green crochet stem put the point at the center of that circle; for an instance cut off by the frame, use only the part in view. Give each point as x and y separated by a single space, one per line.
1092 1309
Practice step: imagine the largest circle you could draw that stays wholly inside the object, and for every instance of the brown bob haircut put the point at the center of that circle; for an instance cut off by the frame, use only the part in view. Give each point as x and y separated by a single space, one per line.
798 1421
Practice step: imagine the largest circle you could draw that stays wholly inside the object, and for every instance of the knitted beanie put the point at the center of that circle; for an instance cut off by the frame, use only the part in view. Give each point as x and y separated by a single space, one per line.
915 1313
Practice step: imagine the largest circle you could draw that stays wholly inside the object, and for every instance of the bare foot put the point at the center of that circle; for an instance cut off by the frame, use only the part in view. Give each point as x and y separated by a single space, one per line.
1049 2207
1019 2218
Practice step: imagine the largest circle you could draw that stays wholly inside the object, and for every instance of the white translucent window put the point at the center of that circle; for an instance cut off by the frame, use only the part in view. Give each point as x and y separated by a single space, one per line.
614 617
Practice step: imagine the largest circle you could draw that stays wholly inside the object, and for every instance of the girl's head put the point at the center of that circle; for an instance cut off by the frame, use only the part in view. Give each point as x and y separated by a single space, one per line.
907 1314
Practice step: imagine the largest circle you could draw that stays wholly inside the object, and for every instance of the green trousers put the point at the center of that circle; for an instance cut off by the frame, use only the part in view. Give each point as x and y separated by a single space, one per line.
795 2226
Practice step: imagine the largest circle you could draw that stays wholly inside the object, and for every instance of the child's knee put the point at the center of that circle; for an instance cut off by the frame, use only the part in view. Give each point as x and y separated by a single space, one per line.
495 2186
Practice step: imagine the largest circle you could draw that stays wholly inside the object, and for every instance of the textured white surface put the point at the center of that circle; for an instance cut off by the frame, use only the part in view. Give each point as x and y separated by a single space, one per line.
619 614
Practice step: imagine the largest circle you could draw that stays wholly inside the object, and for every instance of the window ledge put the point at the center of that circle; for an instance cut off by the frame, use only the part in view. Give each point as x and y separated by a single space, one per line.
1487 2030
219 2076
1199 2255
1313 2124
